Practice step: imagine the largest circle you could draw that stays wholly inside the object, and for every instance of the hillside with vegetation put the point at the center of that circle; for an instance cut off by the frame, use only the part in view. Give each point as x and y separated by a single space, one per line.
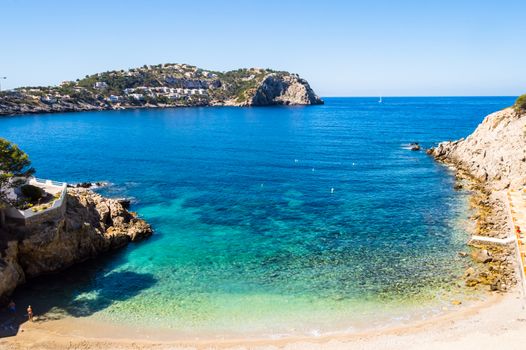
163 85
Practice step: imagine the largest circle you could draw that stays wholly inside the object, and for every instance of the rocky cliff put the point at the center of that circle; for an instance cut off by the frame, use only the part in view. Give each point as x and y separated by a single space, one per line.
277 89
491 159
159 86
494 154
92 225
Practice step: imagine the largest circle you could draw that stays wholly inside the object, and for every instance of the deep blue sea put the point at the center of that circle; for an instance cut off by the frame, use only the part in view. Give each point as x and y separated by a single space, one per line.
276 220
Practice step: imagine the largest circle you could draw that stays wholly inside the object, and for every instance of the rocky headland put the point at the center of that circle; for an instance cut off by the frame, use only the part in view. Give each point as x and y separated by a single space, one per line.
276 89
162 86
488 162
92 225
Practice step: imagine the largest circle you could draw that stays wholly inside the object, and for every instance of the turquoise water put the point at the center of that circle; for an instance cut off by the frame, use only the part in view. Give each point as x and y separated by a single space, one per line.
267 221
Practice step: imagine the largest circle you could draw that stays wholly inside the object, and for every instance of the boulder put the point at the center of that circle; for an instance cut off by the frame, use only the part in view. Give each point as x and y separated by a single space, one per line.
469 272
414 146
125 202
481 256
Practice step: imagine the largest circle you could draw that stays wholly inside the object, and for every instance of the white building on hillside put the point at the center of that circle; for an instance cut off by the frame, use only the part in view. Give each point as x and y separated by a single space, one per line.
100 85
114 98
137 97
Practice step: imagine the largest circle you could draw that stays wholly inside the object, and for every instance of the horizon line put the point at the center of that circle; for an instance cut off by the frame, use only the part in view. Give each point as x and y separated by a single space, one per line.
415 96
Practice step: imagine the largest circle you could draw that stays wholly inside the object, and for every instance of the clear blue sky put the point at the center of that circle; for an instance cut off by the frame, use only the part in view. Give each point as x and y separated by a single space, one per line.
343 48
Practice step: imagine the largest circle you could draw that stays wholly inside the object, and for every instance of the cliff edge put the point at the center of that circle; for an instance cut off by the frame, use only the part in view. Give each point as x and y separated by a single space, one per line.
91 226
279 89
494 154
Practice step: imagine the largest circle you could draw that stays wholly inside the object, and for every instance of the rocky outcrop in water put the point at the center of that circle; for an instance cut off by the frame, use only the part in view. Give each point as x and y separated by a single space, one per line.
91 226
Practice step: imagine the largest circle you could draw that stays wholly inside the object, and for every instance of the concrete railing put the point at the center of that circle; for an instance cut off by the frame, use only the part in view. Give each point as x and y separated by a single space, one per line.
53 210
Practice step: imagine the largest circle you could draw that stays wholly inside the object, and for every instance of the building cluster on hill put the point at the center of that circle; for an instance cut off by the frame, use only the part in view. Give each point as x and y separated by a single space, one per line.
167 83
163 85
141 92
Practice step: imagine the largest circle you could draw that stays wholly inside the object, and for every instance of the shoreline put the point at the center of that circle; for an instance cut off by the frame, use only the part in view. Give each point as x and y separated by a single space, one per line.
499 321
132 108
504 313
495 265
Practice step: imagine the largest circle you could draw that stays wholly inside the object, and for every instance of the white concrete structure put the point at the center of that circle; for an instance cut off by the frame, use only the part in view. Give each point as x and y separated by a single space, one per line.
100 85
492 240
48 99
114 98
41 213
138 97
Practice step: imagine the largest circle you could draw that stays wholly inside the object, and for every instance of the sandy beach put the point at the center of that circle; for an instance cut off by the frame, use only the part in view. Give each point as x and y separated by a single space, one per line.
499 322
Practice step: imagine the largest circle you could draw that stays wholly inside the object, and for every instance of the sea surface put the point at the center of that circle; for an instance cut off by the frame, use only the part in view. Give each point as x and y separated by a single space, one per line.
268 221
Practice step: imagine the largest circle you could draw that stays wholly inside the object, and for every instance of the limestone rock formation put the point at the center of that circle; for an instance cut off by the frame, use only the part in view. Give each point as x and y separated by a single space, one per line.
278 89
92 225
11 273
494 154
491 159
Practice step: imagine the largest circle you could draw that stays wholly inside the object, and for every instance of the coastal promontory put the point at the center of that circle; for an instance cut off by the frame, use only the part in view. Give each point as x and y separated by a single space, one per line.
91 225
161 86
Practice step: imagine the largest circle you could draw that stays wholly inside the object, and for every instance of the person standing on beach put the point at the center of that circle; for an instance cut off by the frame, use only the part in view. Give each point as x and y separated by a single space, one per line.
30 313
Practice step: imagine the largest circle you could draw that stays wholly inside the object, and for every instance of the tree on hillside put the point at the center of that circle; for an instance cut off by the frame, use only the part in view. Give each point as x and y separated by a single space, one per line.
14 165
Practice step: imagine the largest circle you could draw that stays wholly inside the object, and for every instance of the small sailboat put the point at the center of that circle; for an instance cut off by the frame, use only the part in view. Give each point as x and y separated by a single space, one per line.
380 100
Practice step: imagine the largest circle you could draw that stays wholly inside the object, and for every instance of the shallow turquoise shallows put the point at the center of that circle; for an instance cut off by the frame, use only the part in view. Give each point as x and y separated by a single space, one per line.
268 221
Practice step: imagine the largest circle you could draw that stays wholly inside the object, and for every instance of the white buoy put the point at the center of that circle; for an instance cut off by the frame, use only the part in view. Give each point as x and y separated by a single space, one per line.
352 164
332 190
295 160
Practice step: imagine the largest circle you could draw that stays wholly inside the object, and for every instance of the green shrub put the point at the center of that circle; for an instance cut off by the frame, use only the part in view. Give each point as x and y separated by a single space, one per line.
520 104
31 192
